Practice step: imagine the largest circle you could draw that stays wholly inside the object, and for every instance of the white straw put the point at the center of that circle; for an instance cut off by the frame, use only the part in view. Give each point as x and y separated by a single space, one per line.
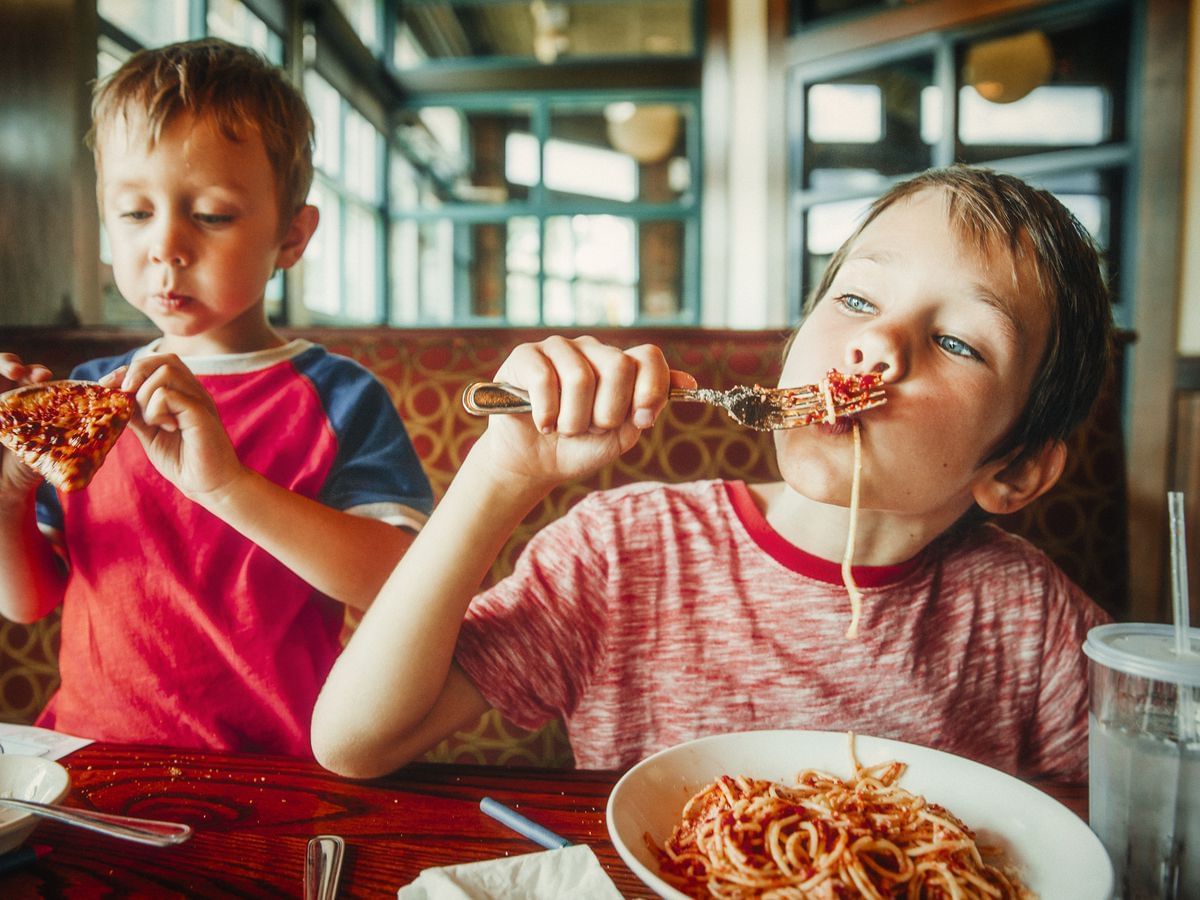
1179 594
1179 576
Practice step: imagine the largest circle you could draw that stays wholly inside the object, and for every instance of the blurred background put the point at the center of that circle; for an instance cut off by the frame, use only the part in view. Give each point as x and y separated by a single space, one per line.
634 163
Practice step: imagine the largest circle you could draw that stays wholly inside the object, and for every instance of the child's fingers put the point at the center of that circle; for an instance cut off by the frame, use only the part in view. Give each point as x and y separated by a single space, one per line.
577 379
114 378
15 371
529 368
617 377
653 384
164 392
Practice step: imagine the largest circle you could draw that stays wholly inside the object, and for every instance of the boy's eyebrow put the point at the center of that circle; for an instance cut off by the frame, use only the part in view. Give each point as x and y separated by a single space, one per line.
1013 324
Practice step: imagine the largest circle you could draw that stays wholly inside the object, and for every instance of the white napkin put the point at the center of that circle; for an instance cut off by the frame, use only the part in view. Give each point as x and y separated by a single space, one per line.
570 872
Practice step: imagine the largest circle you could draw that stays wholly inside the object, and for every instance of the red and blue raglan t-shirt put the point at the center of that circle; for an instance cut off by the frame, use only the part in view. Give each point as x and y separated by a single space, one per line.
176 629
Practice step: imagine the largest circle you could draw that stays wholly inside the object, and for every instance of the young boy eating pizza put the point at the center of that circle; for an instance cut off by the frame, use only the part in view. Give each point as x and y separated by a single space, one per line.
654 614
267 484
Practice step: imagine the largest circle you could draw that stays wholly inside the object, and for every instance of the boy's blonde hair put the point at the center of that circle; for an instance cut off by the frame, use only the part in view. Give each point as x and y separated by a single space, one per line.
996 210
234 87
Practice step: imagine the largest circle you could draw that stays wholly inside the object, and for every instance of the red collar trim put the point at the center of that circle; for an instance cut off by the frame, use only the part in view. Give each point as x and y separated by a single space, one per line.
792 557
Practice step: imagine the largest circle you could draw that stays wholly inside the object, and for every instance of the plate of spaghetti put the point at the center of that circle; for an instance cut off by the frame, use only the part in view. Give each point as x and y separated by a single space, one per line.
816 814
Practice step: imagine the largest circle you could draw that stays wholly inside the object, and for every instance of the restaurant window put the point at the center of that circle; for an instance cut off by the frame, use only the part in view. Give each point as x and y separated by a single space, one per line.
237 23
343 264
546 166
546 211
148 22
1043 96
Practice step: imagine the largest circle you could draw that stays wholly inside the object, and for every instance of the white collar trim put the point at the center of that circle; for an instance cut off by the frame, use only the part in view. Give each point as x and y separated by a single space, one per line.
235 363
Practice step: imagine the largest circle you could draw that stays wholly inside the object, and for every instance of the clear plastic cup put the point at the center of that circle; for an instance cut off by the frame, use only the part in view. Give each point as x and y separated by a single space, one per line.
1144 758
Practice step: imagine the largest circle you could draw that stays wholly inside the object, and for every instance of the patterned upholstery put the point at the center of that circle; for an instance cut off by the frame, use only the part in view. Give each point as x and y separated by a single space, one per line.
1081 523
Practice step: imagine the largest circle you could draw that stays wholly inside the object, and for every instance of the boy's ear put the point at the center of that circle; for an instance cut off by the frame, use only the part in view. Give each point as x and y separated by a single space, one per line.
1007 485
297 236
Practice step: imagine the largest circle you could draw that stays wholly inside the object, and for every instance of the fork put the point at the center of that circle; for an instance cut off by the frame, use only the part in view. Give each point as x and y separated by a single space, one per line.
759 408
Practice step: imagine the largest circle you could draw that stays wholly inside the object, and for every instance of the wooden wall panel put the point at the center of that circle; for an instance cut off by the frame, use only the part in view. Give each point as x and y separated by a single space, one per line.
48 224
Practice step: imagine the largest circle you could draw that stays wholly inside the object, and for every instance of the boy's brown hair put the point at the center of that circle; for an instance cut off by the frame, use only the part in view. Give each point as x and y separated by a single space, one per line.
992 209
232 86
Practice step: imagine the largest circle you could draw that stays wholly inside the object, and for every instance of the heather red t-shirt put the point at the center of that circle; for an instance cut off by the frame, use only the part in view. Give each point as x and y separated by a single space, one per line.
654 614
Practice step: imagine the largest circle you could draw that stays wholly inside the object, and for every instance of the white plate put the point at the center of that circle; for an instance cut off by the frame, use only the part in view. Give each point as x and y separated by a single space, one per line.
27 778
1056 854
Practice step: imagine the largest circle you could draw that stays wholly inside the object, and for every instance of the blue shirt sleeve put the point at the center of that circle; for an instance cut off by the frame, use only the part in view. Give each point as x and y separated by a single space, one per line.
376 461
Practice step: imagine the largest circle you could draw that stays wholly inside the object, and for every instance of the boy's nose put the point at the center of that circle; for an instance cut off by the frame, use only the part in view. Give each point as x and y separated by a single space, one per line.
170 245
875 351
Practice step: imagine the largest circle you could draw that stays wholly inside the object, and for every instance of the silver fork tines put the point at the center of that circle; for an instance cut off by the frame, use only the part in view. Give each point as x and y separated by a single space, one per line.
763 409
771 409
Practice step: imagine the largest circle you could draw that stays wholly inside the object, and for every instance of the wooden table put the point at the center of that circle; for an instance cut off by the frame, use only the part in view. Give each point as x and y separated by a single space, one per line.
253 816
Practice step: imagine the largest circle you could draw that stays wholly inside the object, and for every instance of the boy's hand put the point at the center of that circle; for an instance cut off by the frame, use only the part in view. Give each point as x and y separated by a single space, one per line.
178 424
591 402
15 476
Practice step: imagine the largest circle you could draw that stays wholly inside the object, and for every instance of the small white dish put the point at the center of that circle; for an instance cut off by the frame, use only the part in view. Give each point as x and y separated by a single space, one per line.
1055 852
27 778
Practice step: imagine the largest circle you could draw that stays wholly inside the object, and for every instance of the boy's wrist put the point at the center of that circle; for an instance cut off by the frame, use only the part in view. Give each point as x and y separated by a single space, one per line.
485 465
225 497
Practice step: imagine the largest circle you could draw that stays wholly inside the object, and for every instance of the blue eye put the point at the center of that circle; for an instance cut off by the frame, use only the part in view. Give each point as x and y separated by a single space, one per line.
135 215
855 304
957 347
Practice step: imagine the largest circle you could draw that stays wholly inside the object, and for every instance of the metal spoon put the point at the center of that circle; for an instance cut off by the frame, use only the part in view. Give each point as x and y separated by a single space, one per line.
323 867
129 828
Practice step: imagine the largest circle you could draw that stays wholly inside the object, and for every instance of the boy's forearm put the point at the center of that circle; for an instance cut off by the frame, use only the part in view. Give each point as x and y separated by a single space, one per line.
32 577
344 556
391 684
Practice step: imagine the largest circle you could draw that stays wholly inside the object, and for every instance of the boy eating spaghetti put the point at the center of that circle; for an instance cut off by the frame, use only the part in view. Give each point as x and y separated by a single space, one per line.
210 560
654 614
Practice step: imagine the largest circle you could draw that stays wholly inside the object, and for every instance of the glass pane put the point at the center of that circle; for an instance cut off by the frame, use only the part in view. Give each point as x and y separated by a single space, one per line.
322 258
326 105
150 22
661 253
494 271
274 296
231 20
609 270
362 263
1094 196
544 31
827 225
422 272
363 16
109 57
404 184
1036 90
620 151
1047 116
364 147
872 121
467 156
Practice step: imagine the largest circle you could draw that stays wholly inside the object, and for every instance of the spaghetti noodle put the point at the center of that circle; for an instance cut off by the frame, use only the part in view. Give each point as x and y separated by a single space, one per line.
851 528
826 837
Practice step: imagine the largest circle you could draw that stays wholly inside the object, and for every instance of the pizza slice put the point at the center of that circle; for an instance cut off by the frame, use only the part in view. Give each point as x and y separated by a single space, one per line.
63 429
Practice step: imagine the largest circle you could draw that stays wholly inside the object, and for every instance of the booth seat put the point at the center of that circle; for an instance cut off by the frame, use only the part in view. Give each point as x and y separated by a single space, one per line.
1081 523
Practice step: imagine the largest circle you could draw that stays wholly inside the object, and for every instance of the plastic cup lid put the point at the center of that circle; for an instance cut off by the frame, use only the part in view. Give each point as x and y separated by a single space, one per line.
1144 649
